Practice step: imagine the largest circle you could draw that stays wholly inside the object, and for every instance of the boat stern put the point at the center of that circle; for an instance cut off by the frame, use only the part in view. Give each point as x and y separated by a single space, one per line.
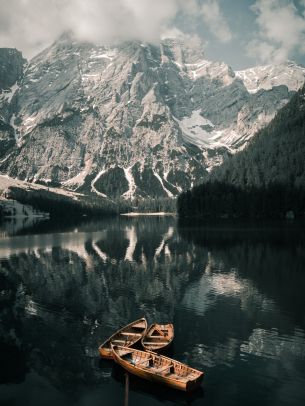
194 383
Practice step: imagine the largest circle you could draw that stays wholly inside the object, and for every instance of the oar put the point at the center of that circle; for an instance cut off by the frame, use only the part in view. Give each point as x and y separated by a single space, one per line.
126 388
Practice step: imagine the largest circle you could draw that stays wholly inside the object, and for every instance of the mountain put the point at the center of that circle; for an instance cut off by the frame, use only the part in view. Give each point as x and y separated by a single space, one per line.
11 67
275 155
264 180
11 70
132 119
268 76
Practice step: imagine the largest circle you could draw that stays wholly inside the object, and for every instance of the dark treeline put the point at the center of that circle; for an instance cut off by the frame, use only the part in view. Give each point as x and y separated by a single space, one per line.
274 155
62 206
223 200
265 180
149 205
65 208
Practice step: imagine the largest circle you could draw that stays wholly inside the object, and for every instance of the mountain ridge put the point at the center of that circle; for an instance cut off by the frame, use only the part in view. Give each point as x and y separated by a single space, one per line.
275 155
266 180
129 120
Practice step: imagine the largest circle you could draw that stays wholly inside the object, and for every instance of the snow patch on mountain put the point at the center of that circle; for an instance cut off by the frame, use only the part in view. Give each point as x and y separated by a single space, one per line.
102 54
79 179
131 183
210 70
268 76
169 194
93 188
199 131
28 124
6 182
134 119
7 95
14 126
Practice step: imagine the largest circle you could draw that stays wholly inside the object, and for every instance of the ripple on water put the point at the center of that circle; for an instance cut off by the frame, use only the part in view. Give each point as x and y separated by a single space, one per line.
203 294
271 344
204 356
236 305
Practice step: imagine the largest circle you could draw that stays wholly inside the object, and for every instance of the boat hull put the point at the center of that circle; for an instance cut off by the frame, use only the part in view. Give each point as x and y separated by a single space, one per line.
187 385
160 342
131 338
104 353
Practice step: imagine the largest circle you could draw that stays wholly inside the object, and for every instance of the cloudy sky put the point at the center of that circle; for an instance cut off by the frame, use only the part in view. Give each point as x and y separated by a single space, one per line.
242 33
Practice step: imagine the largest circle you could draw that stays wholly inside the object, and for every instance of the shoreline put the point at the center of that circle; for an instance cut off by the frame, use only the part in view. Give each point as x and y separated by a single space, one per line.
137 214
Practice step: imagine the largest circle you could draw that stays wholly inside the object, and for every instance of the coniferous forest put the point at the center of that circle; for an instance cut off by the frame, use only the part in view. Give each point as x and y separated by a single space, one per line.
266 180
217 199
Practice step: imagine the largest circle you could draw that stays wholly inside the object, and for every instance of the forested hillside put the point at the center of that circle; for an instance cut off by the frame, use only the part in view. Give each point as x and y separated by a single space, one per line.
265 180
275 155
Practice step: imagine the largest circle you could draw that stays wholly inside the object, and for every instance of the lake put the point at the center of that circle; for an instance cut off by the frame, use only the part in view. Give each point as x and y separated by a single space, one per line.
235 293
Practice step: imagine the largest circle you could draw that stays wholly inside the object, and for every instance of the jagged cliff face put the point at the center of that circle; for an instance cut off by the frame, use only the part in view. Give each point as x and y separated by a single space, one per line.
11 71
133 119
11 67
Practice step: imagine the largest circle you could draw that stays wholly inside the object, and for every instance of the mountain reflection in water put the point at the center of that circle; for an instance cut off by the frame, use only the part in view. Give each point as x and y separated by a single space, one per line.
235 295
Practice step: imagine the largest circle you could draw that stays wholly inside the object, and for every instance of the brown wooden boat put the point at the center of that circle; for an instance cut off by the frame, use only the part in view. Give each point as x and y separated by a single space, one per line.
158 337
126 336
157 368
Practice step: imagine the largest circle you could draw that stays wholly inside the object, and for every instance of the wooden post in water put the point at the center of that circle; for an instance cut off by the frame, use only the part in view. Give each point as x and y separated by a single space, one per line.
126 388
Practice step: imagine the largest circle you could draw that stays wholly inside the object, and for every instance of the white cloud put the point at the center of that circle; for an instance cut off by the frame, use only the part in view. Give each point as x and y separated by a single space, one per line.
106 20
190 7
31 25
215 20
281 31
28 23
172 33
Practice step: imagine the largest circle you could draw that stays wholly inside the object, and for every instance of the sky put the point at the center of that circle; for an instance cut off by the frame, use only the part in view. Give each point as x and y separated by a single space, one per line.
242 33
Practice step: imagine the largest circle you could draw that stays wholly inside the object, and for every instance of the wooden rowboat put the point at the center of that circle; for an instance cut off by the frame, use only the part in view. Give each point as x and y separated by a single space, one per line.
157 368
126 336
158 337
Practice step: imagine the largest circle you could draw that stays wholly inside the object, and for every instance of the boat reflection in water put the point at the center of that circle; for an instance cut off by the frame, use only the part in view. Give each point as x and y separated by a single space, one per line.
235 297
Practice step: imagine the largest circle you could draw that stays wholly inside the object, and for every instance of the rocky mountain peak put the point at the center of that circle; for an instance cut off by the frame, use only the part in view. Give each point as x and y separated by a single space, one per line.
269 76
133 119
183 49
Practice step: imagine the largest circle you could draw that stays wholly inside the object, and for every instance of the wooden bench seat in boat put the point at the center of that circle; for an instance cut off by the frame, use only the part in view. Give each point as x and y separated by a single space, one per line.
119 341
159 369
158 337
146 360
133 332
150 343
164 370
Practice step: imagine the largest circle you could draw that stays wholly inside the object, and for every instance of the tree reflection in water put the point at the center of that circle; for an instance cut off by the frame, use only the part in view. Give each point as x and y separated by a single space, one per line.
234 294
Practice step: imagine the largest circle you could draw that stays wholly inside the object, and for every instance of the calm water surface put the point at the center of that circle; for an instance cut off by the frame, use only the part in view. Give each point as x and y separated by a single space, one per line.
236 296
